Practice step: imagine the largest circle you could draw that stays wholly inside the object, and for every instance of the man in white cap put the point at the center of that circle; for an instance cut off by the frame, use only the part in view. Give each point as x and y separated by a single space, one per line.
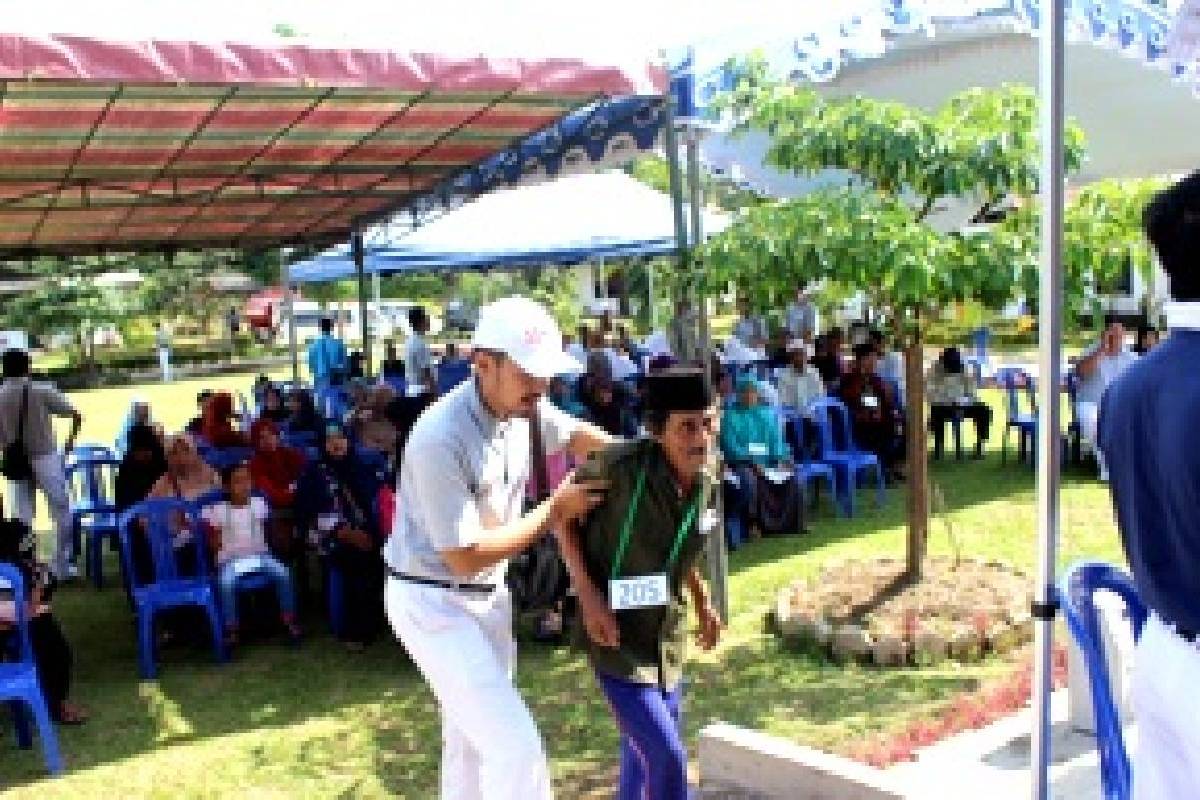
458 521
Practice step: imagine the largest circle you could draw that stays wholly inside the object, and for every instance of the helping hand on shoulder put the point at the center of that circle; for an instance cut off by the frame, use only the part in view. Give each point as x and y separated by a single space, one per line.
574 498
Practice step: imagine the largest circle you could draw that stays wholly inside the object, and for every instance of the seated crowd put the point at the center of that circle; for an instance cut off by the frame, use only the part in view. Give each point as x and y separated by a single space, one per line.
290 484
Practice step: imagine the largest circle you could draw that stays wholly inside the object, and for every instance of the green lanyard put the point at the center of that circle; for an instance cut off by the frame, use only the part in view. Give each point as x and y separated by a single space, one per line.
627 528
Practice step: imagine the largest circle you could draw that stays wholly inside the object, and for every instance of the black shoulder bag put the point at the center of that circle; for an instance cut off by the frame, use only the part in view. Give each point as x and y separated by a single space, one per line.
17 466
538 577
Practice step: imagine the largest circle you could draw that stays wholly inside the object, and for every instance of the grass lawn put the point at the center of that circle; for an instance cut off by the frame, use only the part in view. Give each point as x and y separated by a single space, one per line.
319 722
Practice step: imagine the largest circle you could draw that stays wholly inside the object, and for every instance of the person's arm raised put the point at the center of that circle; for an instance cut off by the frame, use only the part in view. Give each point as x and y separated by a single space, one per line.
569 502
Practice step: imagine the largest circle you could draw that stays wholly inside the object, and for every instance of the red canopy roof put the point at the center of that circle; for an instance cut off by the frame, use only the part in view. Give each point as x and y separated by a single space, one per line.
132 146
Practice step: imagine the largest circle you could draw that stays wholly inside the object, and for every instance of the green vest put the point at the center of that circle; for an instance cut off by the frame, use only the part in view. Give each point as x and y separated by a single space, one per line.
652 639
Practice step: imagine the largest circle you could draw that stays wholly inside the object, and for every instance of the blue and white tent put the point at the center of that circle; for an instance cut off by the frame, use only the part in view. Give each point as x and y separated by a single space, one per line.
577 218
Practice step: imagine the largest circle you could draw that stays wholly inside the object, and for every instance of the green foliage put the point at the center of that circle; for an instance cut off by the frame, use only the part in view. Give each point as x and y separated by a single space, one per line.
866 239
872 234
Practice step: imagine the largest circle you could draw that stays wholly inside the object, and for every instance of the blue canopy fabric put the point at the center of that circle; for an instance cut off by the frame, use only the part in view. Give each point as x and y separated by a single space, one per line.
571 220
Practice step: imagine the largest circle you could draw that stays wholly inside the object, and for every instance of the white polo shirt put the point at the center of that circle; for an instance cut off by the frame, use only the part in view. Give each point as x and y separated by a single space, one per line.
462 474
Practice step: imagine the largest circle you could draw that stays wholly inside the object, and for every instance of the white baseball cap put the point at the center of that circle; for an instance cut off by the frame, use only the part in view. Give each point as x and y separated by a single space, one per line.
525 332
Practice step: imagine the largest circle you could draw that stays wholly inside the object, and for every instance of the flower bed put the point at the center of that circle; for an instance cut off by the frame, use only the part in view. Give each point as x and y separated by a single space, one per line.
864 611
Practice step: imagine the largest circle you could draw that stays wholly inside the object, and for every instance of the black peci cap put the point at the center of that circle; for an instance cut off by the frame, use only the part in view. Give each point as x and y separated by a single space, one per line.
677 389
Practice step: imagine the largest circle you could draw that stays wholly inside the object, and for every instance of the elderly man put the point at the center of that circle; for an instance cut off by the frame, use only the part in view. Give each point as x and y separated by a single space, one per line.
639 550
875 421
458 521
800 385
1150 439
1095 370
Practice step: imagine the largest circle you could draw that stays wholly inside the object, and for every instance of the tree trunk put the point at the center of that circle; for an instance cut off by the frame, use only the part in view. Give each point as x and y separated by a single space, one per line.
918 457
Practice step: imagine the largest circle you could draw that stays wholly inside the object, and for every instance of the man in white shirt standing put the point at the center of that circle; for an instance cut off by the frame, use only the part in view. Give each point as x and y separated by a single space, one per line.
461 492
418 358
750 330
801 317
1095 370
162 342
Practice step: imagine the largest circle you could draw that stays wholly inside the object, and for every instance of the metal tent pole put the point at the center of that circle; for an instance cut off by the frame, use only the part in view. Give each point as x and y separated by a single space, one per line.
290 301
1052 89
356 247
718 557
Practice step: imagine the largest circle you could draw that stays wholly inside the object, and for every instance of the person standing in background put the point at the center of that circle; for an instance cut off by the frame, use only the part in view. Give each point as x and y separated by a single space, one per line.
26 408
162 343
683 334
418 357
327 360
802 318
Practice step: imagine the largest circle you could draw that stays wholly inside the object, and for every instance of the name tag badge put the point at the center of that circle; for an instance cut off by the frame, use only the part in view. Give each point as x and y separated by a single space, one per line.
708 522
647 591
870 401
757 449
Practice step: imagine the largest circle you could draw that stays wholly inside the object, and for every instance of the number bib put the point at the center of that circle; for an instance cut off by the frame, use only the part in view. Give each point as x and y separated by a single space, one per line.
647 591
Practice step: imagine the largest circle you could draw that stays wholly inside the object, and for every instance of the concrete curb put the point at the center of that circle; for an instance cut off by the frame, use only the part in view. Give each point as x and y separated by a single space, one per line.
748 763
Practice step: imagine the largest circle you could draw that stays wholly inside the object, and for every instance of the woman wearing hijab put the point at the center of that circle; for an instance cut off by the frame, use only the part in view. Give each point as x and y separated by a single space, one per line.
335 503
143 464
272 406
187 477
275 469
138 414
303 416
217 424
373 428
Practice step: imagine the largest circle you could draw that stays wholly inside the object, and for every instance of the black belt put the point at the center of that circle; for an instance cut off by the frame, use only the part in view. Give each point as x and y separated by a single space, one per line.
470 588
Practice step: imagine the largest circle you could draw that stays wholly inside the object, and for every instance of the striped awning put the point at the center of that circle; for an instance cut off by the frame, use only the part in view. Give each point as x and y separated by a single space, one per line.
113 146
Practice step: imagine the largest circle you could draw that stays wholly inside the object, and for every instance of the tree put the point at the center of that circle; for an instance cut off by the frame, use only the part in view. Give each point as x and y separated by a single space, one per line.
67 299
874 233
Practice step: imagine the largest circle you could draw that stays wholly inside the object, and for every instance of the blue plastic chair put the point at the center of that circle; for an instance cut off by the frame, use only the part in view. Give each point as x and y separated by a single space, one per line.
1076 594
452 373
298 439
220 458
398 383
19 682
1024 423
89 452
842 454
169 588
808 471
91 484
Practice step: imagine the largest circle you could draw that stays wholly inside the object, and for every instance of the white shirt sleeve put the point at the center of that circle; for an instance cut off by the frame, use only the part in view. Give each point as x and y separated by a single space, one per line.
557 427
442 496
260 509
214 515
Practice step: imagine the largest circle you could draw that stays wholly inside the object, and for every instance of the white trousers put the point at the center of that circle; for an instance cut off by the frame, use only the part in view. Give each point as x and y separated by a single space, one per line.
1089 423
49 476
164 363
463 645
1166 765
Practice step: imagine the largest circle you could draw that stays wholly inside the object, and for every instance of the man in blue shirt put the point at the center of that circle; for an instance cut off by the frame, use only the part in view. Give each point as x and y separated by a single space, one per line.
1149 436
327 360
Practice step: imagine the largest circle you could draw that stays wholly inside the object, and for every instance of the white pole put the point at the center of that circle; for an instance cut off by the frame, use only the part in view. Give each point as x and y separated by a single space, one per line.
1051 91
